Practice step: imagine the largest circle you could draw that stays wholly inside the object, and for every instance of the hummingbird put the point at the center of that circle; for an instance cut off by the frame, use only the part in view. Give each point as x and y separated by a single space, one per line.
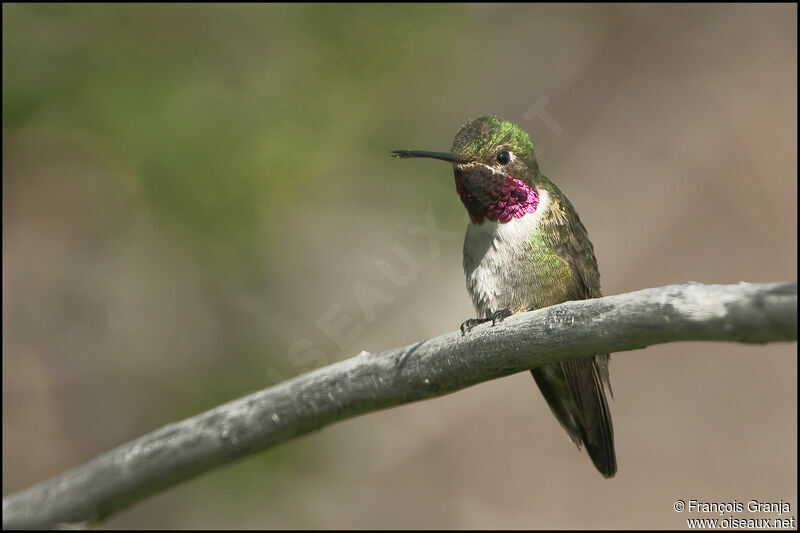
525 249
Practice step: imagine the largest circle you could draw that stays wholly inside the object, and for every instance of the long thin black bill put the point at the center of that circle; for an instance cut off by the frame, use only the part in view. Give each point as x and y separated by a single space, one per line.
444 156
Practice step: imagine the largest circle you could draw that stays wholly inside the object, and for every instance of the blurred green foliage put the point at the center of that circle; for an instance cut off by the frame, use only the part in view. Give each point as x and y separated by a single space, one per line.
222 113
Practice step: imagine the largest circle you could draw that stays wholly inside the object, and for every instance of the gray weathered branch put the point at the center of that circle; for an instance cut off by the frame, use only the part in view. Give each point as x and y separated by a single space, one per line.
750 313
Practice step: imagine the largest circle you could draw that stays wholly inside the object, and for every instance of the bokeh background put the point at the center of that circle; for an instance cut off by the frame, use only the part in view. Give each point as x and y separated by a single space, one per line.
189 190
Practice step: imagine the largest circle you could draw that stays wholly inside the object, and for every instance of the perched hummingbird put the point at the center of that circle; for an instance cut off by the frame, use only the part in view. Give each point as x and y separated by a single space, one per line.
526 249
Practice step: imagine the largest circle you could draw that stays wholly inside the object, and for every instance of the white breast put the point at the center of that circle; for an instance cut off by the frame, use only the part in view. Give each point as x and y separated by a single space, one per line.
493 252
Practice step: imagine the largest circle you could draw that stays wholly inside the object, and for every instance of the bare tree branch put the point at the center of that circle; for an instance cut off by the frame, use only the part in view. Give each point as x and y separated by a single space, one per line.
749 313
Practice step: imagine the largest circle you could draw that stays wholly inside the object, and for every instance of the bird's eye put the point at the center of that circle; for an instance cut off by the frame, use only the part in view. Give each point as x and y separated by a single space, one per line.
503 158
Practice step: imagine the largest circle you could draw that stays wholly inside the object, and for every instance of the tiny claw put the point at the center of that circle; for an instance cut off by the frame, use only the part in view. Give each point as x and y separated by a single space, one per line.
495 317
470 323
500 315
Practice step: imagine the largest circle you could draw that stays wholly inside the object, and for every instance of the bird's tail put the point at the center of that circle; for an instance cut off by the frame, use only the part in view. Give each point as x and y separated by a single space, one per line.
574 391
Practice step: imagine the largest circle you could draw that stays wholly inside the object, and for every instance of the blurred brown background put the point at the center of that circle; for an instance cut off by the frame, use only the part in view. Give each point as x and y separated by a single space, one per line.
188 189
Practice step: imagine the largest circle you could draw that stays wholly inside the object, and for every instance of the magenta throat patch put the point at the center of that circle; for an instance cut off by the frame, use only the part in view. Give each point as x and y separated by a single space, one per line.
513 199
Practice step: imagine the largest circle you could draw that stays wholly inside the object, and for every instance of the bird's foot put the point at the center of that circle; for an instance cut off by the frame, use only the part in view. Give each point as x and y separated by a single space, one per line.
495 317
500 315
470 323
